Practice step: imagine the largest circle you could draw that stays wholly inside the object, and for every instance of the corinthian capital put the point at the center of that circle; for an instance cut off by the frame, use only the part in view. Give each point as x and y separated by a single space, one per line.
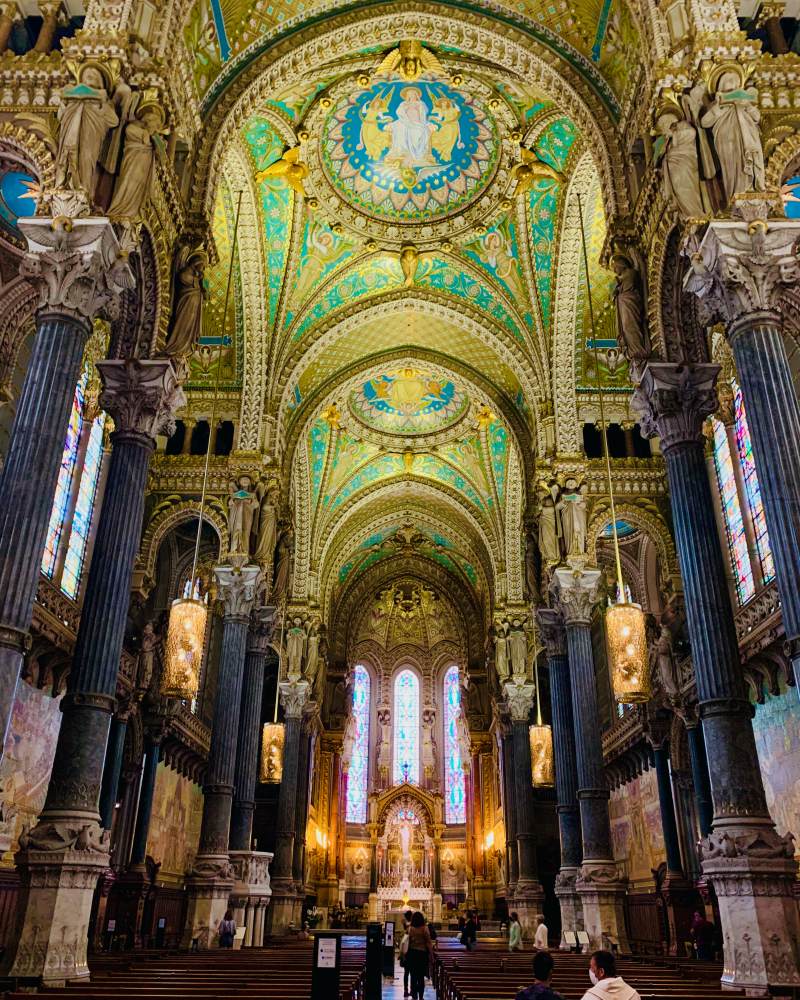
77 264
519 698
294 695
576 592
141 396
551 626
237 589
742 266
673 401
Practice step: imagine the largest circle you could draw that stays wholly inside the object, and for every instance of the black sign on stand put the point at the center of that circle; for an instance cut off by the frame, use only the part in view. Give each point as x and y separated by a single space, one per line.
388 949
326 971
373 979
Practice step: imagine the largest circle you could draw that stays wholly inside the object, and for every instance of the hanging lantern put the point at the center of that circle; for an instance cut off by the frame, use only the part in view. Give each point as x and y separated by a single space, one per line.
272 738
627 653
542 767
184 653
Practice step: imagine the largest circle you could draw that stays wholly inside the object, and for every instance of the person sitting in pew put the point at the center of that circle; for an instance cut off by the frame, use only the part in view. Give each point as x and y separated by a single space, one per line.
542 974
606 984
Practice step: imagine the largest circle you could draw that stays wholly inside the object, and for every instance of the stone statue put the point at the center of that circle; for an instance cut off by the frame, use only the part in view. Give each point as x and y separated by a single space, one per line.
548 530
518 648
631 318
283 565
147 655
571 509
462 735
242 507
312 656
189 295
384 738
531 580
295 646
267 530
501 654
676 152
349 740
734 122
428 742
665 664
142 142
85 117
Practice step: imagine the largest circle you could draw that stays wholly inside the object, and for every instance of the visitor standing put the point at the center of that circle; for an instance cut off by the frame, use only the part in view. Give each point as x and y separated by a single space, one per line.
419 956
515 933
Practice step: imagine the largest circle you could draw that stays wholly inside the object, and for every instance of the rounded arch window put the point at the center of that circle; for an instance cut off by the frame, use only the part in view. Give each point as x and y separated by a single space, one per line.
406 727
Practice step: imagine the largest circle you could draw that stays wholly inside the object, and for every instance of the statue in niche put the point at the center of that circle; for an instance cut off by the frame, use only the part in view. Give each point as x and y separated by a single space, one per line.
428 741
631 319
85 117
734 118
384 738
142 143
663 662
349 740
571 509
267 529
190 292
677 151
462 735
242 507
549 533
312 656
283 565
295 647
147 655
501 653
518 648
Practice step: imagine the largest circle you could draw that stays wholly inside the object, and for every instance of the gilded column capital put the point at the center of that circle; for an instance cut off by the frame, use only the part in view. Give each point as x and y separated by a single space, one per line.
576 592
237 589
141 396
742 266
294 695
519 698
551 627
77 264
674 400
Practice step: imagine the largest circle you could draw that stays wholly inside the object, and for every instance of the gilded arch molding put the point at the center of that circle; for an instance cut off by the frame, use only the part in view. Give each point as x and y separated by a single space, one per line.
648 522
169 516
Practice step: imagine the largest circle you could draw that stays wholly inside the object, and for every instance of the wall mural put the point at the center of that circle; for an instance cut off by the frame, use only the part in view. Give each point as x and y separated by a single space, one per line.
27 761
636 832
777 730
408 401
175 821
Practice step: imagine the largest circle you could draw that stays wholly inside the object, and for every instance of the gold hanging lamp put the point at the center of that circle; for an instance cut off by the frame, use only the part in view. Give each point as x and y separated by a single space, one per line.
188 616
273 735
543 773
625 625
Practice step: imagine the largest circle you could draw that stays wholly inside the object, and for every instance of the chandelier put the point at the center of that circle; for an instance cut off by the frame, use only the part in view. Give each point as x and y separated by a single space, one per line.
541 741
625 628
272 739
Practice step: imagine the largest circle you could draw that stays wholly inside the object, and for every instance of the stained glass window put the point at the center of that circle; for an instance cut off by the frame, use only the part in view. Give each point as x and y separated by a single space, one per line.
406 727
752 488
84 508
66 474
732 511
455 806
358 772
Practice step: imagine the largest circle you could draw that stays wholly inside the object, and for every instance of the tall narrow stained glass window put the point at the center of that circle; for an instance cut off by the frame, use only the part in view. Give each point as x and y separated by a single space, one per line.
66 474
84 509
751 487
406 728
732 512
455 804
358 773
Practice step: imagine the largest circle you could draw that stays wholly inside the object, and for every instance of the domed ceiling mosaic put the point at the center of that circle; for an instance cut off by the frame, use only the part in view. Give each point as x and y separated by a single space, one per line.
408 401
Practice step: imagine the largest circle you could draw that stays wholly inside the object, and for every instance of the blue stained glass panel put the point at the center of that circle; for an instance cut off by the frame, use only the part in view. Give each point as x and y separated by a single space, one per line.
455 800
66 473
358 773
751 487
732 513
406 728
84 509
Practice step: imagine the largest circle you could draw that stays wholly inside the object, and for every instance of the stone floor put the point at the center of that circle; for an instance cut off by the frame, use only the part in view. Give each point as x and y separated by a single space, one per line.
394 990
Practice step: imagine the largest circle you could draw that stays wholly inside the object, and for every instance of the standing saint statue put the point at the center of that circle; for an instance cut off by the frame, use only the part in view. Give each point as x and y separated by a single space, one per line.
312 657
189 296
85 117
267 530
242 507
283 565
295 647
676 152
572 512
501 653
147 655
549 533
518 648
631 319
734 122
142 142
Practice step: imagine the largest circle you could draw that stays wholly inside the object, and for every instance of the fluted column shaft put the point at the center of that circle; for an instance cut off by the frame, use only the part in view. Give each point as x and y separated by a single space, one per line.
773 417
249 741
301 809
526 834
512 855
293 695
112 770
700 777
144 812
569 820
28 482
669 823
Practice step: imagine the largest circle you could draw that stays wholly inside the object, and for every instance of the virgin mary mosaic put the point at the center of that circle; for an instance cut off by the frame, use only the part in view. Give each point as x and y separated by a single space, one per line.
410 151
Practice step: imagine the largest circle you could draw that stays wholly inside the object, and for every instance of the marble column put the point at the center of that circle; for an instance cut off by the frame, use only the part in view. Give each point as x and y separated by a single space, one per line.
211 881
152 755
512 854
740 273
301 808
700 776
78 271
569 820
294 696
112 769
141 397
528 894
750 865
576 591
249 743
